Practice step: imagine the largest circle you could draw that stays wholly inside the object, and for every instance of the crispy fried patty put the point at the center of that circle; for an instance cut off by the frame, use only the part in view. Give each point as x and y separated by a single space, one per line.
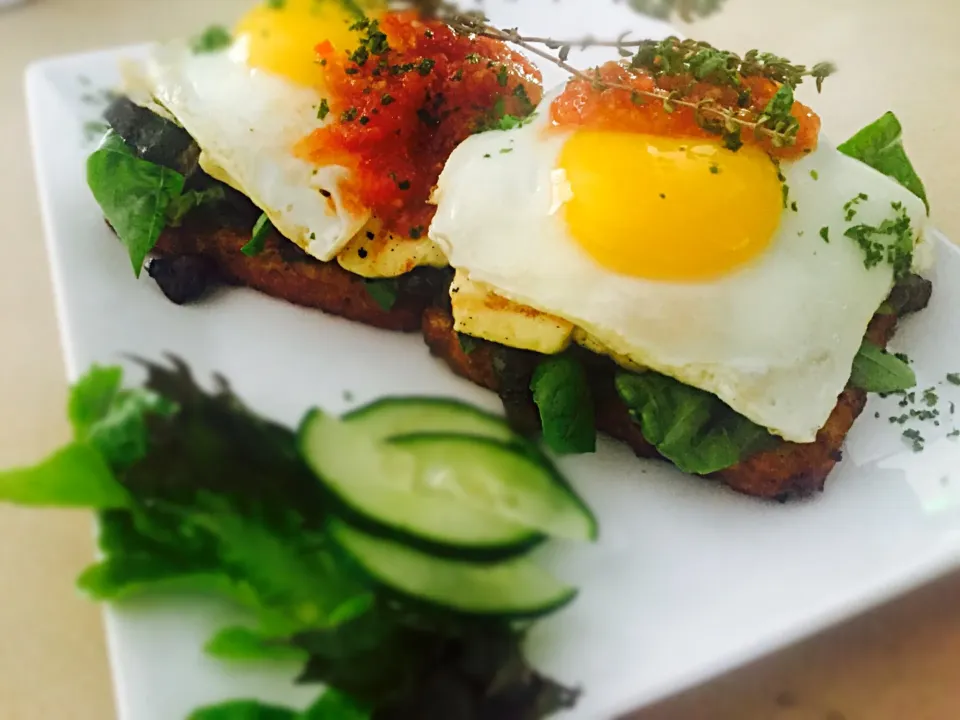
283 271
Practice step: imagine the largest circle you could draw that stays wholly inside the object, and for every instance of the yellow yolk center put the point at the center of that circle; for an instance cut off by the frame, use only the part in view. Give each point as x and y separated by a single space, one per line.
282 36
669 208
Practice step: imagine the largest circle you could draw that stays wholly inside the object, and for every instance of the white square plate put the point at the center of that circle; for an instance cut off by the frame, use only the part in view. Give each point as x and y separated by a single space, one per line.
689 580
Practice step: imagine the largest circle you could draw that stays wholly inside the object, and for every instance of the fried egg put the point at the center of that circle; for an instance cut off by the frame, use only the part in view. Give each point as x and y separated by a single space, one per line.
248 106
680 256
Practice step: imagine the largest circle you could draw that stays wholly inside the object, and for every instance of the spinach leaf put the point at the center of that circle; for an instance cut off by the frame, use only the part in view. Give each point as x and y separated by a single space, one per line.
191 200
562 393
258 240
693 429
74 477
134 195
875 370
880 145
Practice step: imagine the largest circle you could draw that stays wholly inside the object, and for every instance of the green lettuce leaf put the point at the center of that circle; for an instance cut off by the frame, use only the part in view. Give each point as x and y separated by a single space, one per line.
693 429
875 370
245 710
135 195
880 145
562 394
112 419
74 477
331 706
239 644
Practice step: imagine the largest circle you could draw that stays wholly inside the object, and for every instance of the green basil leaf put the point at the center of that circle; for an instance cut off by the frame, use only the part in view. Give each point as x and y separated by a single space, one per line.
562 393
875 370
880 145
693 429
258 240
75 477
134 195
191 200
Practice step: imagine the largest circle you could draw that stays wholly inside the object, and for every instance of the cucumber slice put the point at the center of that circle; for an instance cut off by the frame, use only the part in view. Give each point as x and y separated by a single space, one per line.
463 492
415 415
514 588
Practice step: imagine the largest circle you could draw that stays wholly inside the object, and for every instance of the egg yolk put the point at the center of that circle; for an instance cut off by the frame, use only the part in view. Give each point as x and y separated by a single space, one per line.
671 209
281 37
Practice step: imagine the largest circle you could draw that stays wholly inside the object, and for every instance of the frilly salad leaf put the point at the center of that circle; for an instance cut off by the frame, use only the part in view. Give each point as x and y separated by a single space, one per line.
197 493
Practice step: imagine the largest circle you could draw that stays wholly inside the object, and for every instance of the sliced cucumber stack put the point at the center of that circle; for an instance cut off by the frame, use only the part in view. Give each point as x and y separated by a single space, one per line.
509 589
459 491
438 501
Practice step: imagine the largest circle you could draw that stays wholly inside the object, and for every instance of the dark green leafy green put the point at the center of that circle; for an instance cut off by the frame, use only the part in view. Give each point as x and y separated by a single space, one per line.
561 391
875 370
135 195
693 429
191 200
384 292
880 145
258 240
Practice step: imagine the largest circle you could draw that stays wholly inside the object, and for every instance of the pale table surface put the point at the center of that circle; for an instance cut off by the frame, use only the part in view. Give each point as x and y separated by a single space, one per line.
900 662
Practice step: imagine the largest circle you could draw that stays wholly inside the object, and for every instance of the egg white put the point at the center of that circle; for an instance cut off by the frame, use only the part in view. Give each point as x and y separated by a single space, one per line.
247 123
775 339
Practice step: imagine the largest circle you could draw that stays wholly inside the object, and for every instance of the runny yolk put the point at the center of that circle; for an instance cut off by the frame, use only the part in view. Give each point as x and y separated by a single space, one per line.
281 37
670 209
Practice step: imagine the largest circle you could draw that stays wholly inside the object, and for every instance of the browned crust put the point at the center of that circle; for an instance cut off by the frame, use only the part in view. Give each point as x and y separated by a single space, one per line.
787 471
305 281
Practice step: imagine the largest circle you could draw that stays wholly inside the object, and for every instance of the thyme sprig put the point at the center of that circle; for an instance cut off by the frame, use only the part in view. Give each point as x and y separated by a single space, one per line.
666 58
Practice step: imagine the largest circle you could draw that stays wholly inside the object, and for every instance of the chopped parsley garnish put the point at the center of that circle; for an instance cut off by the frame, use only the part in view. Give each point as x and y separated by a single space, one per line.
916 440
426 66
387 99
505 151
851 207
417 232
349 115
213 39
954 434
323 110
953 378
825 234
814 174
276 4
503 76
715 169
877 247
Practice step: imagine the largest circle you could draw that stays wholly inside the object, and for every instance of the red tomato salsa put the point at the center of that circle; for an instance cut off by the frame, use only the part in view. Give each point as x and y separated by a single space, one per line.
582 104
403 101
